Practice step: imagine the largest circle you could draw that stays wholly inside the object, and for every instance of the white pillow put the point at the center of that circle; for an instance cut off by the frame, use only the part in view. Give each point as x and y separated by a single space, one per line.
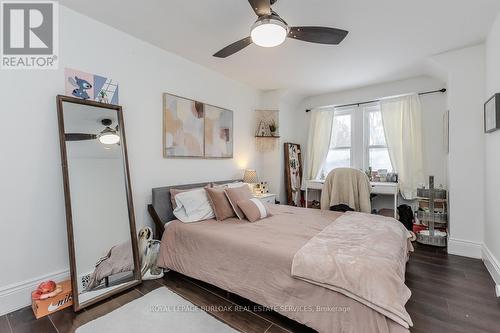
193 206
229 185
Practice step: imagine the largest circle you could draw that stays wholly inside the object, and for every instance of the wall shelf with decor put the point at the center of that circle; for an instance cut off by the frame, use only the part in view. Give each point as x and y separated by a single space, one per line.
266 127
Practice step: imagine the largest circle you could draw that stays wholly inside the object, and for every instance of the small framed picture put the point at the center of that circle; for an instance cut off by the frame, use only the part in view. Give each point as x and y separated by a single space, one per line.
492 114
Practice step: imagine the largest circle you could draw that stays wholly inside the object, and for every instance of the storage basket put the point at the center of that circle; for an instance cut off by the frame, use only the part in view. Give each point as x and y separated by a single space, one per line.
425 193
441 218
431 240
433 215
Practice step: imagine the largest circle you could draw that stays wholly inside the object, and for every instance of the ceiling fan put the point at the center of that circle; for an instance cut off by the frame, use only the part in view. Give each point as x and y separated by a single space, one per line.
108 136
271 30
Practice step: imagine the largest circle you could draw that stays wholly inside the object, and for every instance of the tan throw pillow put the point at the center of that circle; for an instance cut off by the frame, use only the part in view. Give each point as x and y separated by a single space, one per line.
236 194
220 204
253 209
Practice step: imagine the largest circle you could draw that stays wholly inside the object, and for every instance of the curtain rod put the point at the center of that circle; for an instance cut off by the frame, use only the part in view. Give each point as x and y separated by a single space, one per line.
378 100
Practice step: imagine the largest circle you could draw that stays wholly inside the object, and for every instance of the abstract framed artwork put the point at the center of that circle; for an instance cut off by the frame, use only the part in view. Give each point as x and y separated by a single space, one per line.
183 127
193 129
218 132
492 114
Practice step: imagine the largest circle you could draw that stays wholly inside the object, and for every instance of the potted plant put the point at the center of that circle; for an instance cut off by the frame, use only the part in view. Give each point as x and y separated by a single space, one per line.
273 127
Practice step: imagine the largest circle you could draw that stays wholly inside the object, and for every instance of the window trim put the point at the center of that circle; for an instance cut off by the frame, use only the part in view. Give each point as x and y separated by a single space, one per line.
366 110
342 112
360 134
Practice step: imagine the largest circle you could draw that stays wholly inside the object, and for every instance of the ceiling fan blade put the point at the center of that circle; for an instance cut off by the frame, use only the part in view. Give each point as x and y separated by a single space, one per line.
79 136
321 35
261 7
233 48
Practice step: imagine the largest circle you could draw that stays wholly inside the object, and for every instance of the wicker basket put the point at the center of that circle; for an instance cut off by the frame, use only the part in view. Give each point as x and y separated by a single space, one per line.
441 218
425 193
431 240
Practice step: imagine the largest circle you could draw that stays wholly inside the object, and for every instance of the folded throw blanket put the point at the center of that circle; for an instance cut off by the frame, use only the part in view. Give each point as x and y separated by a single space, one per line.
119 259
364 257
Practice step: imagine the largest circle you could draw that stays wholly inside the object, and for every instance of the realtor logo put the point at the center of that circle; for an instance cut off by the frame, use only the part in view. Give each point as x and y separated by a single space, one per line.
29 36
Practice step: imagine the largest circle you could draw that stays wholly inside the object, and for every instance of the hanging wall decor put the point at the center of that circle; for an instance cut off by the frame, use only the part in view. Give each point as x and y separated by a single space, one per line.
195 129
293 174
90 86
492 114
267 129
446 132
218 132
267 122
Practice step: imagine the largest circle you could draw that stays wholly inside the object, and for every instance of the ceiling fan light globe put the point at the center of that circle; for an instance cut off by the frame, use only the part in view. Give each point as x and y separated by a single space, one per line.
269 32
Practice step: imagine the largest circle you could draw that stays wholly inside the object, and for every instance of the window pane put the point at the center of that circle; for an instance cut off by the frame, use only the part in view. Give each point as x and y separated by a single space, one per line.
376 129
341 131
379 159
337 158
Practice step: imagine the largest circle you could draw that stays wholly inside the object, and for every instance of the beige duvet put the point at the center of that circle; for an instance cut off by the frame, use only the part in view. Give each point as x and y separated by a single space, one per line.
361 256
254 260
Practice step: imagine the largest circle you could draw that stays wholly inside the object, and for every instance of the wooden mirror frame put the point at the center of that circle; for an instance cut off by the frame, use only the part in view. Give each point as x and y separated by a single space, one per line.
67 198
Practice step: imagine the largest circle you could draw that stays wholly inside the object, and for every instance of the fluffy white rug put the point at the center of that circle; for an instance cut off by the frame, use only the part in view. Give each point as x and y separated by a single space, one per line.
158 311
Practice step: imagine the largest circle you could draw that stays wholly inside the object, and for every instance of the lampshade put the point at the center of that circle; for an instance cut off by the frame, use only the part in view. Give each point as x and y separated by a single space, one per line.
250 176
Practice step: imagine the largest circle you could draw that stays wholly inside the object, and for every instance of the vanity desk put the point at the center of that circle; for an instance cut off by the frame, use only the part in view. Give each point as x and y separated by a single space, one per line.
380 188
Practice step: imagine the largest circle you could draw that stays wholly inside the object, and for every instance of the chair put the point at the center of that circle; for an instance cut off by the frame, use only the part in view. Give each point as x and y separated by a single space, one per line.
347 186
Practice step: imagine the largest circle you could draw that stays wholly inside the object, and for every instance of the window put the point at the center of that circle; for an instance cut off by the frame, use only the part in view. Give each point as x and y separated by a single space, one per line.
377 151
340 152
358 140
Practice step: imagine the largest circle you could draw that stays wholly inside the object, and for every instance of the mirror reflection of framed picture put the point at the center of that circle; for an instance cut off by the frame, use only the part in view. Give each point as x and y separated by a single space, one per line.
492 114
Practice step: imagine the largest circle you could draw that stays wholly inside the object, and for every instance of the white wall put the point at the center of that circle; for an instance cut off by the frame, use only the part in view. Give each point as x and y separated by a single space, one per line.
466 77
492 157
433 109
32 220
293 123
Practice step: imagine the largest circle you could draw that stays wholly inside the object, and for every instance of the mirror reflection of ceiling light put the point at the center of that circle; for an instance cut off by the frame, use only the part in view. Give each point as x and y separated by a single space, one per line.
109 136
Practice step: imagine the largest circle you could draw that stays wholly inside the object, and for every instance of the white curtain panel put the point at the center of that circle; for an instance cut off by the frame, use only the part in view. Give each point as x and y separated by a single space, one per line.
318 143
402 118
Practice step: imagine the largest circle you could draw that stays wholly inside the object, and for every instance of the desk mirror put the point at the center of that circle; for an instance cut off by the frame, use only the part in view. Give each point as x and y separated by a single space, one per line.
99 211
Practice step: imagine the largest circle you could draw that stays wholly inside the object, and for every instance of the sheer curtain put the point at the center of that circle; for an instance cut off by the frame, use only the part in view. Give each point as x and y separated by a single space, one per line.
402 119
318 143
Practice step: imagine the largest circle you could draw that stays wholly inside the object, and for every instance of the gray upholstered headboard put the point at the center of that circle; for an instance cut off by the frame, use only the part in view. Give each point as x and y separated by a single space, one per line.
161 198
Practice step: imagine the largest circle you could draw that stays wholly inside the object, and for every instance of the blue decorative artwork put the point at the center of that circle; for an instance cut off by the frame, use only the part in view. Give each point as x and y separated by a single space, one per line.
90 86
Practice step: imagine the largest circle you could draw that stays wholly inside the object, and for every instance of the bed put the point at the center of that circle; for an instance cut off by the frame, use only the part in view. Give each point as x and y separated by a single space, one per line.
254 260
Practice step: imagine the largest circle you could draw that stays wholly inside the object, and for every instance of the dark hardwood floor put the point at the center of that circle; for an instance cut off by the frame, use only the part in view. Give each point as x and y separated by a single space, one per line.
449 294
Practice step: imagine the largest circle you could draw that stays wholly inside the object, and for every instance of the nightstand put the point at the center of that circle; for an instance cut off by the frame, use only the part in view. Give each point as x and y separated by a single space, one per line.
266 198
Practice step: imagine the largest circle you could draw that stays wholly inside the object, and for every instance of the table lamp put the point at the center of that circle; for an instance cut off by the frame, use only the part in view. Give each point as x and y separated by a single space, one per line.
250 176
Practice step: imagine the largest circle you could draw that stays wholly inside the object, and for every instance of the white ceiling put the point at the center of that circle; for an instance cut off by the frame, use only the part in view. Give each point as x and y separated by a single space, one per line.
388 40
80 118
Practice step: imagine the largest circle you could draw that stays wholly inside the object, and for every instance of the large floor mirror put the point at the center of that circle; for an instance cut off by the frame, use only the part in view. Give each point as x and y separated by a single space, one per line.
102 237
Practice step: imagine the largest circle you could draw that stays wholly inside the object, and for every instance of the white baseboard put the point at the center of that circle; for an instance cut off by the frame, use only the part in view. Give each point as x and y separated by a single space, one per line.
18 295
465 248
493 266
